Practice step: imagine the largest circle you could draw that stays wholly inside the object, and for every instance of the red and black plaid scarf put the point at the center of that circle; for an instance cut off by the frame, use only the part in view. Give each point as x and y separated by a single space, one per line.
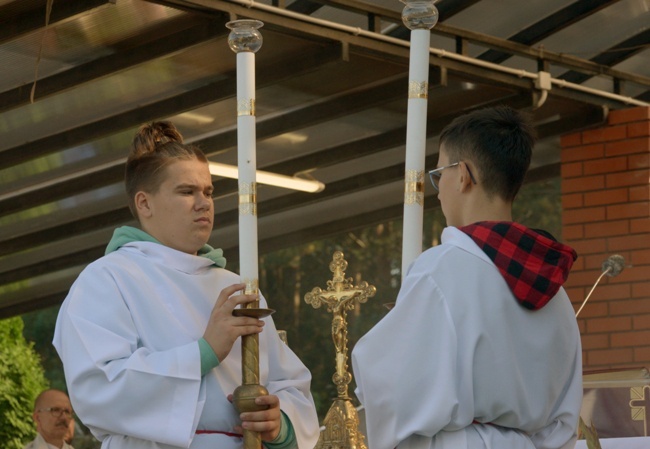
534 265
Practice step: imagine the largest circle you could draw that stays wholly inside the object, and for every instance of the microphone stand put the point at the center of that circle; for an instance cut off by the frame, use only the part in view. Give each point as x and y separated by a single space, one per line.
592 289
612 266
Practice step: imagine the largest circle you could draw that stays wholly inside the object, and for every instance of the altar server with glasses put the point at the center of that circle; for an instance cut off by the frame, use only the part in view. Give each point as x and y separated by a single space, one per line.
482 349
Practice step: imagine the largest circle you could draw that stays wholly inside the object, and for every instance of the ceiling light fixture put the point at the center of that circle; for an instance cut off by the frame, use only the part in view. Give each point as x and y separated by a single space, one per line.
272 179
195 117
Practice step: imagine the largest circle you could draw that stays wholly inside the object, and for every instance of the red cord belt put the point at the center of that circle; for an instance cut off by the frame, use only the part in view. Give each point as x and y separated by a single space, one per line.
228 434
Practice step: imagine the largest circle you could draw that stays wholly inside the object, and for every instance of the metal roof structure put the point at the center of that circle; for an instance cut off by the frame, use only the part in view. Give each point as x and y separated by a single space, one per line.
331 87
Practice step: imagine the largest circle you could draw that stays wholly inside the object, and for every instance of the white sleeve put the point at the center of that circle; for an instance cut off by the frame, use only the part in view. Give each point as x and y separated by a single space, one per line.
406 368
152 395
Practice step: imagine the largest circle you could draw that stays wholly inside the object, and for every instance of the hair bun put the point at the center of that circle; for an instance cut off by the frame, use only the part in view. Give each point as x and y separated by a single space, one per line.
152 135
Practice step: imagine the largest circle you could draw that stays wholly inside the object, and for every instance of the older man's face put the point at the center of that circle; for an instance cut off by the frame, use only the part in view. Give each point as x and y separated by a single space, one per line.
53 417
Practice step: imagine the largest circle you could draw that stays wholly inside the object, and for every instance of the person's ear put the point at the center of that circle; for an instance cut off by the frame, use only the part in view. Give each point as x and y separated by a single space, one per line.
464 179
37 419
143 204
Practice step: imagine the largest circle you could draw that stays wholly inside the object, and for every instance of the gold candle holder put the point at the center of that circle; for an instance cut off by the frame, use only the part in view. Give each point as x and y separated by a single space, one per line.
342 421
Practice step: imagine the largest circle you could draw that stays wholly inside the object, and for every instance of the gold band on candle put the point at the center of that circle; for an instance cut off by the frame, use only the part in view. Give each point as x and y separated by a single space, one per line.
248 209
246 107
414 187
247 198
418 89
252 286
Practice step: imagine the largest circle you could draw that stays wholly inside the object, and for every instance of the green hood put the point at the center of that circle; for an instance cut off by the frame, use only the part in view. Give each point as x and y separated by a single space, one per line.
127 234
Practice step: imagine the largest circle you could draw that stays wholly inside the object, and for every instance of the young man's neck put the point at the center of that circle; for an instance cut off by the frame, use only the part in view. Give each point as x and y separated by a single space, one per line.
482 208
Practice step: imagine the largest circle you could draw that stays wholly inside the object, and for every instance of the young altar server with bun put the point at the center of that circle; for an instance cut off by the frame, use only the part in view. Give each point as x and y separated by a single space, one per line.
149 344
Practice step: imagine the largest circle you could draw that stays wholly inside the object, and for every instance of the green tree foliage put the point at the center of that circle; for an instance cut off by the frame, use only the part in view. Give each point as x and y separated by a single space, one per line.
538 206
39 329
21 380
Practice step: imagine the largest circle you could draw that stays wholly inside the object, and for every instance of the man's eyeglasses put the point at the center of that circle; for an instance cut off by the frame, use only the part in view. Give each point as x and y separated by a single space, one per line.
57 412
436 173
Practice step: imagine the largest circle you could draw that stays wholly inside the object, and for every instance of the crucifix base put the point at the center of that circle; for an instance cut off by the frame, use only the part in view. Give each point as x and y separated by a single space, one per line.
341 428
617 403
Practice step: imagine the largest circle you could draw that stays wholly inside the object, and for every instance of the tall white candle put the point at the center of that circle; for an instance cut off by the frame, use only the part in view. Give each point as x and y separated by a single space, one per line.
247 166
419 16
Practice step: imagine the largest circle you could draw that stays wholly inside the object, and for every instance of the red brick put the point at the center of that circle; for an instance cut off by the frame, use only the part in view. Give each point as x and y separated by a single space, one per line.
637 161
634 338
641 290
629 306
642 355
609 357
600 341
592 309
628 178
641 322
583 153
572 200
629 210
638 273
605 292
604 134
640 226
570 140
583 184
639 193
632 114
628 242
638 129
639 257
572 232
606 165
591 246
578 264
603 197
629 146
607 229
595 261
585 215
571 170
602 325
587 279
576 295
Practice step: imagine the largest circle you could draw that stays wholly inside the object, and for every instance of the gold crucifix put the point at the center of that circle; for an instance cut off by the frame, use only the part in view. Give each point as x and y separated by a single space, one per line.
341 422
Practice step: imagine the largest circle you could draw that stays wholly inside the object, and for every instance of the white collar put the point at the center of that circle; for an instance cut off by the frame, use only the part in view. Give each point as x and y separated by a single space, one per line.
169 257
454 236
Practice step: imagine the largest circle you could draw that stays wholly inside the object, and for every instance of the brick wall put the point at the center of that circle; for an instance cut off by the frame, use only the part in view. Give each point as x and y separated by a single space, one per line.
606 210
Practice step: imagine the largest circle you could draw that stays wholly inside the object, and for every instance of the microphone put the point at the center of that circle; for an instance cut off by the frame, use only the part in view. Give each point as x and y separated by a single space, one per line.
612 266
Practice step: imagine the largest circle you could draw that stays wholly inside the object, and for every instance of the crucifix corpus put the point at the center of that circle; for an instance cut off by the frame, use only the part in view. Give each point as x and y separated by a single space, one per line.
342 421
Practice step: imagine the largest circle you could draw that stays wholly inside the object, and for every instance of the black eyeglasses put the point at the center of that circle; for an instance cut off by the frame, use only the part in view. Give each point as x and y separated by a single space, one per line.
436 173
57 412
